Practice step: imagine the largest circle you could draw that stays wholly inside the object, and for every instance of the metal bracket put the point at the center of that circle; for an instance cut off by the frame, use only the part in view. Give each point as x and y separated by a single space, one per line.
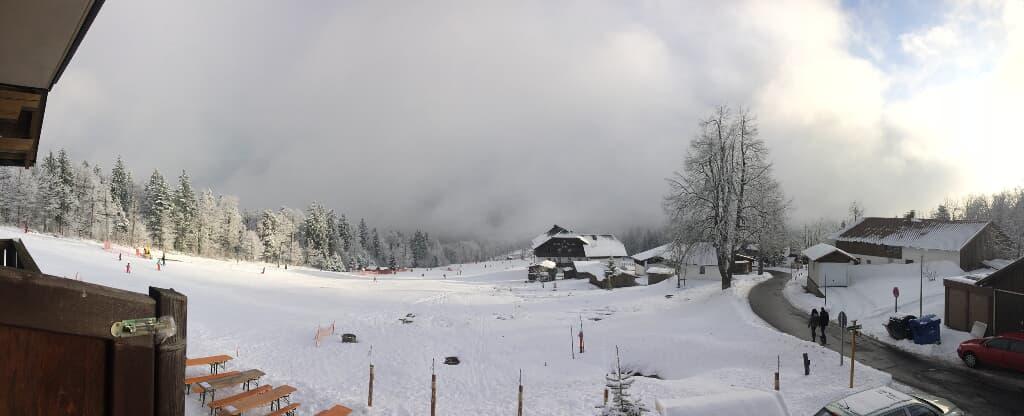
162 328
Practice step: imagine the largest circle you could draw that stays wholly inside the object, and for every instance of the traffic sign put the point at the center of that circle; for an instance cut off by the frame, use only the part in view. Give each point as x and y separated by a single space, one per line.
896 291
856 327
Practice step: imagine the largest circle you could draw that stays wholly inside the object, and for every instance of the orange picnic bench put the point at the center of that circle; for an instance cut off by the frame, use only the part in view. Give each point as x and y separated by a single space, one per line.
337 410
219 403
272 398
214 361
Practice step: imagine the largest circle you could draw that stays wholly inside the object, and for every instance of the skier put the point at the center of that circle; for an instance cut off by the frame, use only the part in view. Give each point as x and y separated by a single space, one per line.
813 324
128 268
823 321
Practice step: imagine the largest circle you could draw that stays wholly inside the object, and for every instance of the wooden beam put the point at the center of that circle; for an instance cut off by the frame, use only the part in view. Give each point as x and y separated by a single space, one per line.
16 145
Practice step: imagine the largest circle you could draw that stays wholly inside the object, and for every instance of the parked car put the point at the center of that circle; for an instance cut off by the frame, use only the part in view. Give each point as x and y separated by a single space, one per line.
884 401
1006 351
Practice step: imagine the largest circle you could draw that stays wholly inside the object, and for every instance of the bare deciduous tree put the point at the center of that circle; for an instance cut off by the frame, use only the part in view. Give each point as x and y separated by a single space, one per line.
726 194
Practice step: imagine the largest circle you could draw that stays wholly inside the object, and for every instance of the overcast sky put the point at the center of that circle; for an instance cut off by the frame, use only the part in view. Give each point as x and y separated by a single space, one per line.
499 118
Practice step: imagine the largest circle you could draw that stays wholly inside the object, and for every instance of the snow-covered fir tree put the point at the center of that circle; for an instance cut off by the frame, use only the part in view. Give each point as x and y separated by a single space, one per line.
618 383
157 209
184 212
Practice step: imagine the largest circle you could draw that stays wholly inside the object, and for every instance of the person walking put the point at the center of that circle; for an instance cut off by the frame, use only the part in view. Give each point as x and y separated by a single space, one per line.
823 321
813 324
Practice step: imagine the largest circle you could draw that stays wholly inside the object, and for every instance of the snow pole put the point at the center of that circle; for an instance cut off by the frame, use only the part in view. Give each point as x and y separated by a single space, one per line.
158 266
606 396
581 333
369 398
433 389
778 368
572 344
519 412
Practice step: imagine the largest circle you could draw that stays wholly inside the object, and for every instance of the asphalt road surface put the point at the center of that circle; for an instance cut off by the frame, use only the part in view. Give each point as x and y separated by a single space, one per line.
979 392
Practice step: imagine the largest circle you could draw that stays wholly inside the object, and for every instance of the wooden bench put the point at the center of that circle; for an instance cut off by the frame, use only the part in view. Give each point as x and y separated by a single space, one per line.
217 404
244 378
213 361
337 410
272 398
286 411
209 377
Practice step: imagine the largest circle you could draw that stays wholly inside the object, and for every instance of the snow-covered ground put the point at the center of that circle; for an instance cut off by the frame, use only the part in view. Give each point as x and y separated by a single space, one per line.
869 300
700 341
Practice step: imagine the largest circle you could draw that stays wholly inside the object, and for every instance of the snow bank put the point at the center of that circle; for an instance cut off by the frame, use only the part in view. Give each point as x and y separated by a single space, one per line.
699 341
869 300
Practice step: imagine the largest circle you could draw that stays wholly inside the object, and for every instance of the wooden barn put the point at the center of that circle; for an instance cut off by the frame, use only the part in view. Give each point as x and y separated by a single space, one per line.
898 240
996 300
658 255
827 266
564 246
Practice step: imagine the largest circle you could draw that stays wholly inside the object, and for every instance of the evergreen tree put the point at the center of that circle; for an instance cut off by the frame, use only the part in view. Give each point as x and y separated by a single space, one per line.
318 227
121 186
232 230
157 209
618 384
364 234
184 211
344 233
377 249
207 224
266 230
64 191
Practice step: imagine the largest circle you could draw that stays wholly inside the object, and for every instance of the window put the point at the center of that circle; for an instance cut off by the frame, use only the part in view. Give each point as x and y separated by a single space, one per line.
999 344
918 409
908 261
895 412
1017 346
869 261
701 269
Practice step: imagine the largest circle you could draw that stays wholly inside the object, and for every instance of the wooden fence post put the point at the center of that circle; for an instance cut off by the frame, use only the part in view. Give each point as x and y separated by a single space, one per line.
369 399
520 411
433 390
170 355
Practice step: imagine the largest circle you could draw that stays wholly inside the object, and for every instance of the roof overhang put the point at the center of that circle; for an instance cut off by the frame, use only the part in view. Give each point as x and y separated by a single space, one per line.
37 40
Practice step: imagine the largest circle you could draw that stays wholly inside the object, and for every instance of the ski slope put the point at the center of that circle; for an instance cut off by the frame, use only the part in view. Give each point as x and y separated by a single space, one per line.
700 341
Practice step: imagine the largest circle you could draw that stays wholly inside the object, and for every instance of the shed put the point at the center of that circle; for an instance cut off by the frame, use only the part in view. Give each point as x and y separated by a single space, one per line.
901 240
657 274
996 299
827 266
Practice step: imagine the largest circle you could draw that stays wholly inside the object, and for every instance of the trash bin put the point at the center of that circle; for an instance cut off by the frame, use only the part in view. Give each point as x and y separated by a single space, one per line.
899 326
926 330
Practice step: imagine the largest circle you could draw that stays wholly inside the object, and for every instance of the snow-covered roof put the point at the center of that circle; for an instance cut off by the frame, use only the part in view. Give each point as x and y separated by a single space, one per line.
602 245
593 267
925 234
547 264
659 251
818 251
544 237
997 263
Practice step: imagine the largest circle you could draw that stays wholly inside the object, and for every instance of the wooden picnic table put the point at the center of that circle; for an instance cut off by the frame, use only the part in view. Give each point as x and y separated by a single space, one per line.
213 361
209 377
245 378
272 397
217 404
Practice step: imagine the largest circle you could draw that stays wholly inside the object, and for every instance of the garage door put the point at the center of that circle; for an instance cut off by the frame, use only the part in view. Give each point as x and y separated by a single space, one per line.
834 274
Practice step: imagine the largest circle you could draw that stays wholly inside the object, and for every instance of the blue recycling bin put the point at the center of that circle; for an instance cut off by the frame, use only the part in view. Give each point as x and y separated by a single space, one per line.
926 330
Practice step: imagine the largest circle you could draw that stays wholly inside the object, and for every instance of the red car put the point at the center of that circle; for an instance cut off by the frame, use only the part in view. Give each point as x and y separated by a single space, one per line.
1006 351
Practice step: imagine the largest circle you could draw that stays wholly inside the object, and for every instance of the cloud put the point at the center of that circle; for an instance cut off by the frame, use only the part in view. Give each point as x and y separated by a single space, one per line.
493 119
